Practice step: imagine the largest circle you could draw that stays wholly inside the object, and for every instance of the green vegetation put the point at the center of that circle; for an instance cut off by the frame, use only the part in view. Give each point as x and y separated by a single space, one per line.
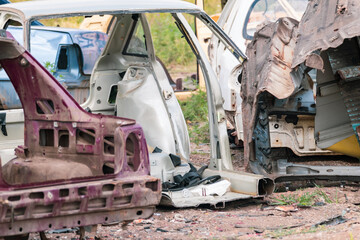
177 55
288 232
305 199
68 22
196 113
50 67
211 6
170 46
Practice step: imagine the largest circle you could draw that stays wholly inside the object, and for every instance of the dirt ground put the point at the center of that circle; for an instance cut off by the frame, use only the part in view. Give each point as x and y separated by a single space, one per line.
334 214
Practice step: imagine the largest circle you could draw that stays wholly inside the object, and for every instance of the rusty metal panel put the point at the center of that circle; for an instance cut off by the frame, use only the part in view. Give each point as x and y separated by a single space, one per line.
79 204
75 168
268 69
325 24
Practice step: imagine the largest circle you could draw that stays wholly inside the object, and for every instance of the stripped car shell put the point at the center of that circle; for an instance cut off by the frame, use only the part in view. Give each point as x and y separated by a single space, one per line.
75 168
239 20
136 86
277 87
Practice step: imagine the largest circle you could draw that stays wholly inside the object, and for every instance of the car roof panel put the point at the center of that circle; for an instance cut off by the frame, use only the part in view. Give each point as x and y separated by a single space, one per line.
56 8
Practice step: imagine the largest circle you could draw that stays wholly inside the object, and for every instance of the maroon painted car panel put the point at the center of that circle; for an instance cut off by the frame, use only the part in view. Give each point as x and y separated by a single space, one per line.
75 168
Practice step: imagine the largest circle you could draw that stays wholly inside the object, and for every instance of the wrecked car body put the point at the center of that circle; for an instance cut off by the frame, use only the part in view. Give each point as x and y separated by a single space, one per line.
75 168
128 81
250 15
146 95
277 88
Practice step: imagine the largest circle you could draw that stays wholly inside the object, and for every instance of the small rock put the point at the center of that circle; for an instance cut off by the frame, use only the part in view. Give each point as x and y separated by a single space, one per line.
286 208
161 230
179 218
259 230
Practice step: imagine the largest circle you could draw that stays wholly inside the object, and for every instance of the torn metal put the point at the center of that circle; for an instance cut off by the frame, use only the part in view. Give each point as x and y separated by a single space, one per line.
281 83
266 71
326 24
240 19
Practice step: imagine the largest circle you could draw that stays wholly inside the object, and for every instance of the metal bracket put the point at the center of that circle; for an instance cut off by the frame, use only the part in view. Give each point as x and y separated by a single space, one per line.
3 123
262 138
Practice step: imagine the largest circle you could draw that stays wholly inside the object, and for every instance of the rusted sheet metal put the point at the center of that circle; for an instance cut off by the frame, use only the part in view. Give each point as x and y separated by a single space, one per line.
75 168
268 69
325 24
349 73
79 204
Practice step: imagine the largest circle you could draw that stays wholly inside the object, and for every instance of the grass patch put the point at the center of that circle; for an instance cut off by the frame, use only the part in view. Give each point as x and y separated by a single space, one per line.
288 232
67 22
196 115
171 47
305 199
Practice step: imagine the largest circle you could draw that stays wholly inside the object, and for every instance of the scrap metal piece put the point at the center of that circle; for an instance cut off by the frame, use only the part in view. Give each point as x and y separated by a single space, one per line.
267 70
3 123
332 28
331 116
326 24
68 174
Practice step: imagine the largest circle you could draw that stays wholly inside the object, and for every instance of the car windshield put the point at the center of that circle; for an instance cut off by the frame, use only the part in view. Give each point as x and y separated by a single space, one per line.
269 11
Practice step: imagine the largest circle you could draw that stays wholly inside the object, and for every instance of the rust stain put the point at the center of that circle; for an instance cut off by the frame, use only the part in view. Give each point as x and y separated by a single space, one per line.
268 69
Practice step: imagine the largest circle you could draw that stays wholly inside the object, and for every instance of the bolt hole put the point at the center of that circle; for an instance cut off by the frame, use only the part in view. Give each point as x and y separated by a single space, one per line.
139 213
20 229
50 225
79 222
106 218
